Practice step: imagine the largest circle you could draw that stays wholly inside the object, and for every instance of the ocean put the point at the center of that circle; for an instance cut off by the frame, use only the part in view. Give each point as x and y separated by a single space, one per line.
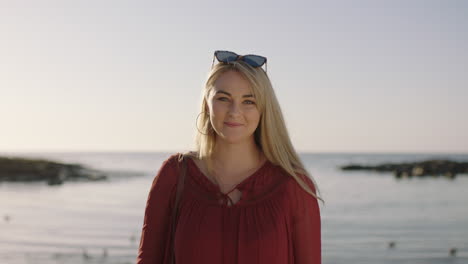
100 222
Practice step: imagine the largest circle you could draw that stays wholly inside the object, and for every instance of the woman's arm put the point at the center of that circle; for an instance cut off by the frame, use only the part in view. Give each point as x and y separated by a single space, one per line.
155 233
307 228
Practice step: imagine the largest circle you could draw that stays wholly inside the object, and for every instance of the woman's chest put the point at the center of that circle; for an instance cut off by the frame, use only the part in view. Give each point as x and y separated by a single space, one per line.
248 234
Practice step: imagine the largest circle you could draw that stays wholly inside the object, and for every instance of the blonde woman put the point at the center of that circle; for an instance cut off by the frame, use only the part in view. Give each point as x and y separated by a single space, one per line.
247 197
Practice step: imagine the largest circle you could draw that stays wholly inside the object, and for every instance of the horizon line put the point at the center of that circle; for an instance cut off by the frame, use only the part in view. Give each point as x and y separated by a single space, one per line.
177 151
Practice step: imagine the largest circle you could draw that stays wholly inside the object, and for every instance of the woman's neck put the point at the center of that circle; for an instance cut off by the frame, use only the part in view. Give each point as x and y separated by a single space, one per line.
236 157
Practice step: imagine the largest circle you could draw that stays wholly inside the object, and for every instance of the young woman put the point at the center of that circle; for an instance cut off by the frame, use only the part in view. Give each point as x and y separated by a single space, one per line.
247 197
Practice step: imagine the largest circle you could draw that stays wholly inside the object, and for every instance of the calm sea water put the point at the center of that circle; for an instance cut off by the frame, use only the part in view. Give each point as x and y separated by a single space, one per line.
100 222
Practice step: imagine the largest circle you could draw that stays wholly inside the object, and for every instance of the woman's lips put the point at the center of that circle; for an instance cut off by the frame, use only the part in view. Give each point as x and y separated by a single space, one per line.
229 124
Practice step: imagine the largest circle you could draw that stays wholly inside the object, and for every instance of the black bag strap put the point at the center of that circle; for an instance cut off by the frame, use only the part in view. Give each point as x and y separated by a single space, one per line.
180 185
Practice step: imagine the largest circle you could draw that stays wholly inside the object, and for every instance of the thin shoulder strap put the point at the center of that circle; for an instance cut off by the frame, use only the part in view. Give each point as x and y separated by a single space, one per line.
180 185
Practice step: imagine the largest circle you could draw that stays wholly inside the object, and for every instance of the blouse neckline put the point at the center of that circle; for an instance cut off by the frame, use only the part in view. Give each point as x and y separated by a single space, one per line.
248 179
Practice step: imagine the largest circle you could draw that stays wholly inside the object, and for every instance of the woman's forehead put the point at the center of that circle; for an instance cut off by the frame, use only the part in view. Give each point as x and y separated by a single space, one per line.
232 83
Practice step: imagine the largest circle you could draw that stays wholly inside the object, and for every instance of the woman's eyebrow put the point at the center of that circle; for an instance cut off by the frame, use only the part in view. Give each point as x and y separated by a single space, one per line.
224 92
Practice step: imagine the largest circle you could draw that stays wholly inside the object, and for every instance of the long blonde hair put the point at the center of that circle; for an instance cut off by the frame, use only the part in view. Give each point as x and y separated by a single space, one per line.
271 135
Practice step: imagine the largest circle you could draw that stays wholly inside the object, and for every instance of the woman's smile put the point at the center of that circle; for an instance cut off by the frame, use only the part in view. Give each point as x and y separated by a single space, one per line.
229 124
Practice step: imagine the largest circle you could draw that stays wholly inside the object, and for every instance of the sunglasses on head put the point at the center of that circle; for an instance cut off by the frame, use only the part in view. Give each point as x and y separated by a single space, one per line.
229 56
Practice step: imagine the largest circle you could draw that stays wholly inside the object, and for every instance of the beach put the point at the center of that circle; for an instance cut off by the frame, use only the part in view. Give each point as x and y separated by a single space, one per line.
368 217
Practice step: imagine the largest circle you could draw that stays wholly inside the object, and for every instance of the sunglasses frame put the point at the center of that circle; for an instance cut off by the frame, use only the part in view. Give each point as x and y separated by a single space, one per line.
240 57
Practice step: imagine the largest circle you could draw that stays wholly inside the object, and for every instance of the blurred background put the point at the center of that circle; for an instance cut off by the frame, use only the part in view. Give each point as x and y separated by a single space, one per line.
116 86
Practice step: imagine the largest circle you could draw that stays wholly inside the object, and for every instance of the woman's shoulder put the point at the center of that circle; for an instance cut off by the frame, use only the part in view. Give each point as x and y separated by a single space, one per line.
169 162
297 193
168 171
298 200
292 185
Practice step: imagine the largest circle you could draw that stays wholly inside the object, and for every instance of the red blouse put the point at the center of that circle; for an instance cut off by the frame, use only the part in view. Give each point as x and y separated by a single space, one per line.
275 221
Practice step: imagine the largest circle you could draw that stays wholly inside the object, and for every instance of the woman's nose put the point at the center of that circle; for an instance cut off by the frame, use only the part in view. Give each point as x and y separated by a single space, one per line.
234 108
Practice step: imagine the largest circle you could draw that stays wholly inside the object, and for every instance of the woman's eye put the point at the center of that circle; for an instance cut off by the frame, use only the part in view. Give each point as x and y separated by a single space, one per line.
247 101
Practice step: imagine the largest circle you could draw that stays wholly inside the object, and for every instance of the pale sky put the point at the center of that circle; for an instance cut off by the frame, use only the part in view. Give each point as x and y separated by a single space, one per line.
351 76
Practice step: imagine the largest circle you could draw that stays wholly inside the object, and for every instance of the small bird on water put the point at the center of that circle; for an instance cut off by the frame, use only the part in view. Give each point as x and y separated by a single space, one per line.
453 252
85 254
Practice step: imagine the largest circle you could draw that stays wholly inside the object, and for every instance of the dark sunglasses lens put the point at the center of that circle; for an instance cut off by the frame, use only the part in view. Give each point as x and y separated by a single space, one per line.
226 56
254 60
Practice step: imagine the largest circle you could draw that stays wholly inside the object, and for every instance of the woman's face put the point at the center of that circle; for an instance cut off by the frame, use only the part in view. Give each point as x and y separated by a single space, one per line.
231 101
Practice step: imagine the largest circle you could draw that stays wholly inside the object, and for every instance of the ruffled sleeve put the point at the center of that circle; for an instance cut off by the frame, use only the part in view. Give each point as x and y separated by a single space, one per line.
306 231
155 233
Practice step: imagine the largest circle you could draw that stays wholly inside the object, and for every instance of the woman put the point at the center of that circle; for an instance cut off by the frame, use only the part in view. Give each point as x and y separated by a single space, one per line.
247 197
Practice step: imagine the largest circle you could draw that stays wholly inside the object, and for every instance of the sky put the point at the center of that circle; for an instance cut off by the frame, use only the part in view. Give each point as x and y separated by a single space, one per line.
350 76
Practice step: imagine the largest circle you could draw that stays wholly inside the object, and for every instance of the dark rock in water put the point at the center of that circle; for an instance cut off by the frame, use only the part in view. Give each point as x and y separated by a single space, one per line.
453 252
434 168
54 173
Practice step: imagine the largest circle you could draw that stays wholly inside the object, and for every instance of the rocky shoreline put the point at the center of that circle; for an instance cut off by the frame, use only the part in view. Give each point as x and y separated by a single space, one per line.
54 173
428 168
